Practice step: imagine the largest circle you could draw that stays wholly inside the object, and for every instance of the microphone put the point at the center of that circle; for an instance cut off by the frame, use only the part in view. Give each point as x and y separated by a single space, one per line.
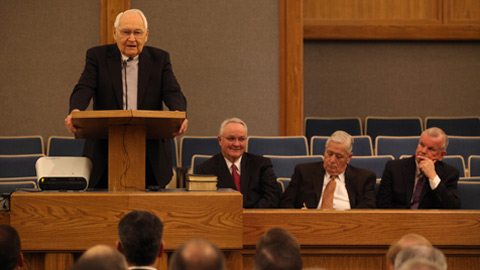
124 66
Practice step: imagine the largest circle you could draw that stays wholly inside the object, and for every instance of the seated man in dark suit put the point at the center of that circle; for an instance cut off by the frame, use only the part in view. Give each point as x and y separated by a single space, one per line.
255 177
399 189
332 184
140 239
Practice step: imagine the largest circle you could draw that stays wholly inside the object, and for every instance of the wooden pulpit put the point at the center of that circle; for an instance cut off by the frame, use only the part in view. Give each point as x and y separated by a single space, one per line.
126 131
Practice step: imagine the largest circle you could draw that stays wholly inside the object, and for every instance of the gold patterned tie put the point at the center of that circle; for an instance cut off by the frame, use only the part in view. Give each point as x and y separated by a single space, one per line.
327 202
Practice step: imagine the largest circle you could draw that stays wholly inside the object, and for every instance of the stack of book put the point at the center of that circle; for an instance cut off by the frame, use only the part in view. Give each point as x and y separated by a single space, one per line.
201 182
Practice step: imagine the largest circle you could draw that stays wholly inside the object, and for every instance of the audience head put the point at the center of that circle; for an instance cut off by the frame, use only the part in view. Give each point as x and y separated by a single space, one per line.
10 248
405 241
338 152
101 257
429 253
140 238
130 31
197 254
419 264
233 138
433 144
278 249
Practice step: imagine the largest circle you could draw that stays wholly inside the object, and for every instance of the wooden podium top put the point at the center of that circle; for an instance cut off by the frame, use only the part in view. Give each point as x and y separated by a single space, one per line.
94 124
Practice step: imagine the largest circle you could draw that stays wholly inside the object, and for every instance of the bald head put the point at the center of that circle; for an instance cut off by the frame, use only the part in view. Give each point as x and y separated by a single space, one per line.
197 254
101 257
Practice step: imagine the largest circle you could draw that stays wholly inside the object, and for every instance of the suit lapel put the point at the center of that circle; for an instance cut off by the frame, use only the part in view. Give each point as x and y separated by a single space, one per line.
224 174
144 70
408 175
350 185
317 177
114 65
245 173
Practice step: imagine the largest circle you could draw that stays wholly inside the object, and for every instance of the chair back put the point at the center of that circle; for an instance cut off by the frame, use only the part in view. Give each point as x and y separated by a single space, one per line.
16 166
8 185
203 145
468 191
396 145
283 166
65 146
283 183
197 160
373 163
463 146
277 145
392 126
457 162
362 145
21 145
455 126
474 165
470 178
325 126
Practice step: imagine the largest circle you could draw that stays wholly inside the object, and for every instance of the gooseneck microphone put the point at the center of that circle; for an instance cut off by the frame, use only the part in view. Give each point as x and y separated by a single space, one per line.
124 66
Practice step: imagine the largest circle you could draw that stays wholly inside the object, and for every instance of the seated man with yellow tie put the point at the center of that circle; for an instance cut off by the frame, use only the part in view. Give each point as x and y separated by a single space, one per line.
331 184
250 174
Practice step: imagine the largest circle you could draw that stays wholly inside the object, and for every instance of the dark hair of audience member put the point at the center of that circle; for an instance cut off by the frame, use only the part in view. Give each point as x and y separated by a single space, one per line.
140 235
10 247
197 254
278 249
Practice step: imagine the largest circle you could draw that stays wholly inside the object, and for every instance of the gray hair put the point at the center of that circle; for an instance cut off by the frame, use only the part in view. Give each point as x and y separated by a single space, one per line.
435 132
419 264
138 11
421 251
231 120
342 137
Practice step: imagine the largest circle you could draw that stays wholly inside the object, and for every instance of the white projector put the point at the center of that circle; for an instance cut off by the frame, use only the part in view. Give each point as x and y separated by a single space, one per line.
63 173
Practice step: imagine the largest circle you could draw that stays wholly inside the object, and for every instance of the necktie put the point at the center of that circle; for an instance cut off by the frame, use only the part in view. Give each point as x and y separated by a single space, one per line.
236 177
327 202
130 80
418 191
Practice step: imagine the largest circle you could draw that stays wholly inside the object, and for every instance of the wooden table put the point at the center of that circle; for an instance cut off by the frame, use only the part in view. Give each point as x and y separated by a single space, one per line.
55 227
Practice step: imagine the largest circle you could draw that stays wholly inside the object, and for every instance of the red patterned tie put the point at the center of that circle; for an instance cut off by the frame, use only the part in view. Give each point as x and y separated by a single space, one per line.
327 202
236 177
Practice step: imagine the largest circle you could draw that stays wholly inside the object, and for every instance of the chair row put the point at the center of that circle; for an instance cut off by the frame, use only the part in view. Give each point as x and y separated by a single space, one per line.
297 146
391 126
33 145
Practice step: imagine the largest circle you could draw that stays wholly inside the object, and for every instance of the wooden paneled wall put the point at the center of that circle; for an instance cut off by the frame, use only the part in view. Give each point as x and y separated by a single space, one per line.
392 19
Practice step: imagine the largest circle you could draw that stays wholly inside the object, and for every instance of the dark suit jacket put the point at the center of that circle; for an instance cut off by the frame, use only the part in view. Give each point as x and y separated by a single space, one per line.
396 187
102 80
307 184
257 180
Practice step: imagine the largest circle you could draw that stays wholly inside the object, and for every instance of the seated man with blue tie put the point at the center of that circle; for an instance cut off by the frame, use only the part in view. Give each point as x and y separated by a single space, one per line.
422 181
250 174
331 184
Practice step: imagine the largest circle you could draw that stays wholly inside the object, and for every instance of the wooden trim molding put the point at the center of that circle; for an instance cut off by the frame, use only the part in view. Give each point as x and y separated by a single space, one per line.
109 10
291 67
392 20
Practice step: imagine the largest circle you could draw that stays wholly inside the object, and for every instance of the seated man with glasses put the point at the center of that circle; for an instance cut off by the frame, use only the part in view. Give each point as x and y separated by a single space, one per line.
250 174
129 76
333 183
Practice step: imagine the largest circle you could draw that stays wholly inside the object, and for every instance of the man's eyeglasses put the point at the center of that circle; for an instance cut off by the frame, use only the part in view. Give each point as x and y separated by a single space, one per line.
136 33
